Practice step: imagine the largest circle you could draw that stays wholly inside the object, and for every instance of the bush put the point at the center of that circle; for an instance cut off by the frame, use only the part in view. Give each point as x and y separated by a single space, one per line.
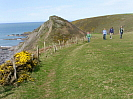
24 64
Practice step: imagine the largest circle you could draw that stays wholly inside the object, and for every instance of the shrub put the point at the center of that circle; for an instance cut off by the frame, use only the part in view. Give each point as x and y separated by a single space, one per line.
24 63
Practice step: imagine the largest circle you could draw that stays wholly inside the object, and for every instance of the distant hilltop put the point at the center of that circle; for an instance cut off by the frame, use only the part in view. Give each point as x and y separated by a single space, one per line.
96 24
56 28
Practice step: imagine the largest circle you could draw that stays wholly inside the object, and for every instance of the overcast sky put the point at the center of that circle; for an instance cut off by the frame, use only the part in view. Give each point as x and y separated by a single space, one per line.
39 10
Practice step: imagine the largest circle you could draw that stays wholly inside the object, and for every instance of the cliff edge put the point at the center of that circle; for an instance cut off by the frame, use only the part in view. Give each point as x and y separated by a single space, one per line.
56 28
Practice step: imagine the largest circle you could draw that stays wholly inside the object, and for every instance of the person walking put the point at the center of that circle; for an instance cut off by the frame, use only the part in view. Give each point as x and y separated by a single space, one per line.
121 31
88 36
111 31
104 34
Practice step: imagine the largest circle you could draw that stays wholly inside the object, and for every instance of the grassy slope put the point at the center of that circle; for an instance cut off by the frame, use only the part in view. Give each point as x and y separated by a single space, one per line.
96 24
99 69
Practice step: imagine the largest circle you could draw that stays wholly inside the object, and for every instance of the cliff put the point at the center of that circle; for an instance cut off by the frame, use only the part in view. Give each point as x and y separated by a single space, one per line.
56 28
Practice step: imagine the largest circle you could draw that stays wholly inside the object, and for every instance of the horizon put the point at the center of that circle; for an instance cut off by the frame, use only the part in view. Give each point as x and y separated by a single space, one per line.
39 11
63 18
22 22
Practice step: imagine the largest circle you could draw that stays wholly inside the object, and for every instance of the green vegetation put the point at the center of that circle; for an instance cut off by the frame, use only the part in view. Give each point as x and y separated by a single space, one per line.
19 67
96 24
52 31
101 69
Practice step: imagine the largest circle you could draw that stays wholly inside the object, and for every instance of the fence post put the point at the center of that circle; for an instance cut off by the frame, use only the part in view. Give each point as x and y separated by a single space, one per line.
83 39
59 43
76 40
14 66
44 48
37 52
54 48
67 43
63 43
32 55
72 40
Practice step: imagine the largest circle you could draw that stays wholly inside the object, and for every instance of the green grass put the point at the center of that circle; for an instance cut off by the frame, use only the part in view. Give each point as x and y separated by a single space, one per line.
101 69
96 24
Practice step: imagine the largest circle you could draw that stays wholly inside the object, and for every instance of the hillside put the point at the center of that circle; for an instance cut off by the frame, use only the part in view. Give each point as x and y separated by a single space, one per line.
96 24
56 28
101 69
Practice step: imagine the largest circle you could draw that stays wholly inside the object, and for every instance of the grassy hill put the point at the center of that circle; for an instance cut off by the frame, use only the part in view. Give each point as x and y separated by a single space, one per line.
54 30
101 69
96 24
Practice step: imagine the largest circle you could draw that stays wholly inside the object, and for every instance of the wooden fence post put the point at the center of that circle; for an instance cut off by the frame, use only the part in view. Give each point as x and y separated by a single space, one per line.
44 48
67 43
72 40
32 55
37 52
14 66
76 40
63 43
83 39
54 48
59 43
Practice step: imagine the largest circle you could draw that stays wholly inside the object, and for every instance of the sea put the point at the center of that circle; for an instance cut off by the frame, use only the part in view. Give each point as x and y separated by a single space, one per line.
7 29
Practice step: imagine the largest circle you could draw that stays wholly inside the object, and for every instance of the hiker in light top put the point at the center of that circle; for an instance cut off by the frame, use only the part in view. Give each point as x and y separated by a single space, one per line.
104 34
111 31
121 31
88 36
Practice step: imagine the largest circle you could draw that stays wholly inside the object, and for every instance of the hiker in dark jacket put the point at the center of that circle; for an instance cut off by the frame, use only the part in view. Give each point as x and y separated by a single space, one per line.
111 31
121 31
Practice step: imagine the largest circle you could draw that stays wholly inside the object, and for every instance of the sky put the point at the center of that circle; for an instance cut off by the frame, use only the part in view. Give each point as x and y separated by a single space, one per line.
12 11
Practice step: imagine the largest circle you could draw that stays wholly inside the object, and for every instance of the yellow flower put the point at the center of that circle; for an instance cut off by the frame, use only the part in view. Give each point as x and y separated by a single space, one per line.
22 57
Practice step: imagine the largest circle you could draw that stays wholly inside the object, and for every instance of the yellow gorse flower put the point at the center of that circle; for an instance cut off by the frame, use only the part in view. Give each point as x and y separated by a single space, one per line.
24 63
22 57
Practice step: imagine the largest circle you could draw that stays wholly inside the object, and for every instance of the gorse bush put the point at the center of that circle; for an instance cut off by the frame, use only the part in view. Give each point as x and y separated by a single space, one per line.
22 57
24 64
